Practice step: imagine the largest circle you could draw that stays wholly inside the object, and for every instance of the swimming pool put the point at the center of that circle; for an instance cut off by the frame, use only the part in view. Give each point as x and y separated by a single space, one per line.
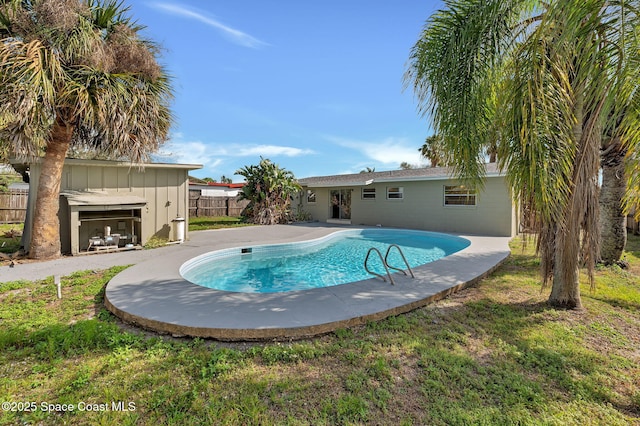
332 260
152 294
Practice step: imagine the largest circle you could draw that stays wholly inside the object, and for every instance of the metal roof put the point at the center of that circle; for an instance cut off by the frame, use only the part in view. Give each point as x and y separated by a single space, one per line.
99 198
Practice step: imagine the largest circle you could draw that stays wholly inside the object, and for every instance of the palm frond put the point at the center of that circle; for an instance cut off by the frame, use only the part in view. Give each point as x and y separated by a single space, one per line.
450 71
551 83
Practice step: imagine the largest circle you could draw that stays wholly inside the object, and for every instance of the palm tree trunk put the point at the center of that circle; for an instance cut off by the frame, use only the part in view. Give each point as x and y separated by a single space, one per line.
613 232
45 234
574 217
565 291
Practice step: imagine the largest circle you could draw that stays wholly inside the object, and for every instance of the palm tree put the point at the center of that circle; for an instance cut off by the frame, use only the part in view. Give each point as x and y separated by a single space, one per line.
492 152
406 166
432 150
269 189
76 73
563 73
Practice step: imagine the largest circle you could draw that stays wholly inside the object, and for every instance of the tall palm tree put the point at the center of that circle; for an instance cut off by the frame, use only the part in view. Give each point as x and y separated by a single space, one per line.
550 79
76 73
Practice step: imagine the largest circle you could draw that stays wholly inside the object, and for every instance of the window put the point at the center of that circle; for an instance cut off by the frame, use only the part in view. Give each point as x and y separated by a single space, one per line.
311 196
395 193
368 193
459 196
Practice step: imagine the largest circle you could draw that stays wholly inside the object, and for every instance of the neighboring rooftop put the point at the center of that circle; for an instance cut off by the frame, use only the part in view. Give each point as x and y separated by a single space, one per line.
218 184
362 179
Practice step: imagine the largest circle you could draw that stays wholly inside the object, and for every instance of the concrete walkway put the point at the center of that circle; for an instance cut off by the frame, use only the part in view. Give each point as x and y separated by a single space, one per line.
33 271
222 238
154 295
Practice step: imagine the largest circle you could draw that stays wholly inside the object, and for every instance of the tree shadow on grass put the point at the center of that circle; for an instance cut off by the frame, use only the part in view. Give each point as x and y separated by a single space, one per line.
545 346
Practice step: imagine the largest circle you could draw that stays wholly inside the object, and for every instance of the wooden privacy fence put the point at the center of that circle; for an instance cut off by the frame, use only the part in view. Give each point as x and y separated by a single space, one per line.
201 206
13 206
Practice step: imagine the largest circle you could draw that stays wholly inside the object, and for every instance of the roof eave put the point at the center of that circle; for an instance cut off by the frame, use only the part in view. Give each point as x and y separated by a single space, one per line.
334 185
388 180
109 163
426 178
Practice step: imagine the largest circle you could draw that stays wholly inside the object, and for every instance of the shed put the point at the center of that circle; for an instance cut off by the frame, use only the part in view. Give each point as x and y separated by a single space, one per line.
98 198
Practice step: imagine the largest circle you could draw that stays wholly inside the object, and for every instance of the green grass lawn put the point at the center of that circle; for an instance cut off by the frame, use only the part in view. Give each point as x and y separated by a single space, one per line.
203 223
492 354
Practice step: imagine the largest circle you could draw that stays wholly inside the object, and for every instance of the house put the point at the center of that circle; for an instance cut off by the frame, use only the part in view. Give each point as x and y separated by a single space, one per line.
100 199
426 198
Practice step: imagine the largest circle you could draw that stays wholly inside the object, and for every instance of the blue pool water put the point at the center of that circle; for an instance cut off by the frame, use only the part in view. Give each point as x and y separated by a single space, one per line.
332 260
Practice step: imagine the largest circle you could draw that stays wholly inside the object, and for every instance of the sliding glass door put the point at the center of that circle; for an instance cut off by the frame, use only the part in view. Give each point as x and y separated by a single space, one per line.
340 200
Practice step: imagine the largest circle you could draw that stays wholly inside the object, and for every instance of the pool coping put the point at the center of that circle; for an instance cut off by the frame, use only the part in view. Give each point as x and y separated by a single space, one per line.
153 295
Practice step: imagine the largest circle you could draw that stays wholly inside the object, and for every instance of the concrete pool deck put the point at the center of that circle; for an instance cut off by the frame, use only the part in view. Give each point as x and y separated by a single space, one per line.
153 294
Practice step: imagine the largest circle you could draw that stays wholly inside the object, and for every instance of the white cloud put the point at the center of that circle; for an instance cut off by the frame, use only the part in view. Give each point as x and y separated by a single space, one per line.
220 158
236 36
190 152
213 154
387 151
267 150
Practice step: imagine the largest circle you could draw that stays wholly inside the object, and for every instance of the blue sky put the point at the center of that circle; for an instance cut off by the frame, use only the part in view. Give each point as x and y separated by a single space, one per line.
315 86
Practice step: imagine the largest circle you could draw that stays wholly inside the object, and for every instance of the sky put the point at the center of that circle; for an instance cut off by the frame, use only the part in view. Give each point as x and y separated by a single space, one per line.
314 86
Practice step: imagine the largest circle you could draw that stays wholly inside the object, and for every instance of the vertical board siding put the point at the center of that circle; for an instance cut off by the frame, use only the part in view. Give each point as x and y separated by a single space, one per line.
96 179
79 178
110 178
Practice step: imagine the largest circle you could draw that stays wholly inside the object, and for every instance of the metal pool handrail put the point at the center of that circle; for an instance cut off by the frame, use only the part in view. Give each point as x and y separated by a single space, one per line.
385 263
366 259
403 258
